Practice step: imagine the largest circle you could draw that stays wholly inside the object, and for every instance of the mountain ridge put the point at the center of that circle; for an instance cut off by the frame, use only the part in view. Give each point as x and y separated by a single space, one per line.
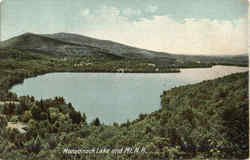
61 35
75 45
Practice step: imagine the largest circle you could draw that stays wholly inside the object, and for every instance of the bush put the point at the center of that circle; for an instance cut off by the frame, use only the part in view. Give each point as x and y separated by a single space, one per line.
14 119
52 142
33 124
84 132
44 116
61 117
26 116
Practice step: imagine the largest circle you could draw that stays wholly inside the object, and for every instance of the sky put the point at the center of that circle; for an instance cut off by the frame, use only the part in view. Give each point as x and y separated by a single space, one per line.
201 27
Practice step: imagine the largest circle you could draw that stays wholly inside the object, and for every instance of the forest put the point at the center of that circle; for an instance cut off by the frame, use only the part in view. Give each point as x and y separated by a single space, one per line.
198 121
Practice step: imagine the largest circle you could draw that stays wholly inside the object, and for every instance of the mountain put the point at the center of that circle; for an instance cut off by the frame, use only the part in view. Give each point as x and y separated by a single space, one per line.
66 44
113 47
73 45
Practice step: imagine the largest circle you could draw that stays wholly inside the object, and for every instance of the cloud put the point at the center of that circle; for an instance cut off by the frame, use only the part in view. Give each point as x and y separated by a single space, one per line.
85 12
152 8
245 1
108 11
193 36
131 12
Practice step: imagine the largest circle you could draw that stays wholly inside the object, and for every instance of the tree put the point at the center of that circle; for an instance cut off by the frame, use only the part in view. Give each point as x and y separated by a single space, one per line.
70 106
75 116
96 122
84 117
14 119
3 123
32 99
35 146
36 111
53 114
9 109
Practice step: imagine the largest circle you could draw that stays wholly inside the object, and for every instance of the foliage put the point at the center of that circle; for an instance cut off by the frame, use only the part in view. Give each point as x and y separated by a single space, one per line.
96 122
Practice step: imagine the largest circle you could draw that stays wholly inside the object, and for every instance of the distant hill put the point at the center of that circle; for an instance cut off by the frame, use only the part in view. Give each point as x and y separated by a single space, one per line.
73 45
46 45
65 44
113 47
241 60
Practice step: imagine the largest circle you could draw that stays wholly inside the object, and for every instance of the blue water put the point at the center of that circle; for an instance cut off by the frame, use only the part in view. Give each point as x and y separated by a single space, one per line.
115 97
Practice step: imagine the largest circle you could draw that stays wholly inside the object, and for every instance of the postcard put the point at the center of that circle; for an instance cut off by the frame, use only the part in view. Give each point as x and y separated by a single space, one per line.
135 79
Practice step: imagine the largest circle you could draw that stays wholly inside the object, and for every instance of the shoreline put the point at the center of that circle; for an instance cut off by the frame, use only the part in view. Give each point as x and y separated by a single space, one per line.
72 71
36 73
95 73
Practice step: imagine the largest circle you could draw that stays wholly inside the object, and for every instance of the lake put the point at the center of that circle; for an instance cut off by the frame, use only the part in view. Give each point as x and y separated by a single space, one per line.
115 97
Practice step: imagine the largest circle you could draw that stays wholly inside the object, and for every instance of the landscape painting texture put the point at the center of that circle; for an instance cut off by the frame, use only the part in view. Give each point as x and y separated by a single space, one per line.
134 79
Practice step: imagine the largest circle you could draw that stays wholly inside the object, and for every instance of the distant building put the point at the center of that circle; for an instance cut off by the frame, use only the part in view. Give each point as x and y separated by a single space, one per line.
9 102
151 64
78 65
157 69
64 59
82 64
120 70
86 64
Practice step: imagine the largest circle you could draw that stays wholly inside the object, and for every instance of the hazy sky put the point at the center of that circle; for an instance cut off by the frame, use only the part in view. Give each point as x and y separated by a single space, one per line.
175 26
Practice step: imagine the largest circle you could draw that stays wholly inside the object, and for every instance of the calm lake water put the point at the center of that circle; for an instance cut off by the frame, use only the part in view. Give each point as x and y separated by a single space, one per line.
115 97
